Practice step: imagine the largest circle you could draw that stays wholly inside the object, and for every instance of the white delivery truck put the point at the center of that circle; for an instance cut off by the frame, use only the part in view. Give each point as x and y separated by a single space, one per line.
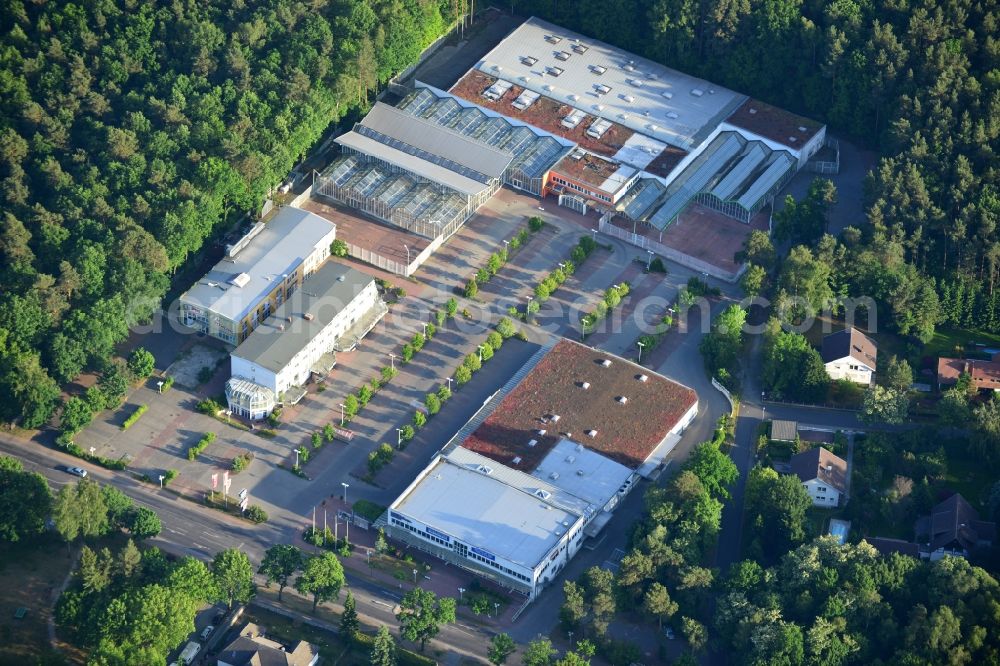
191 651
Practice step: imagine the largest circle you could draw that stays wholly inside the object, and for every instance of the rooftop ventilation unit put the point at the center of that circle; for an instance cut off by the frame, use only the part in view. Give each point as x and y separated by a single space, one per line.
622 399
606 362
580 48
580 472
554 71
568 435
652 127
529 60
532 443
636 82
672 115
628 98
643 378
516 460
554 475
552 39
570 459
802 129
752 110
234 249
598 69
565 524
555 418
484 469
558 532
544 494
308 316
711 91
628 67
240 280
602 89
585 385
667 95
579 447
792 139
563 55
541 431
697 92
829 468
592 433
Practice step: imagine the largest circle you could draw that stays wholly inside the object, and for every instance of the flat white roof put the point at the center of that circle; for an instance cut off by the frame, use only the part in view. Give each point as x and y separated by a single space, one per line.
646 97
236 284
586 474
485 512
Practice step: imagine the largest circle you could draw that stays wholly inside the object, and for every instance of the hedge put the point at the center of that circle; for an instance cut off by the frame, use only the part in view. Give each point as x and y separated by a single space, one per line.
130 421
202 444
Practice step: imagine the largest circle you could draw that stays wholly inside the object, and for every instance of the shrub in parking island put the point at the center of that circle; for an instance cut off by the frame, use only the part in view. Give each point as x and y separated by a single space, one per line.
433 403
380 457
202 444
487 351
493 264
141 363
471 288
407 352
472 362
462 375
441 317
418 341
431 330
303 455
444 393
451 307
350 406
388 373
130 421
505 327
419 419
242 461
407 432
364 395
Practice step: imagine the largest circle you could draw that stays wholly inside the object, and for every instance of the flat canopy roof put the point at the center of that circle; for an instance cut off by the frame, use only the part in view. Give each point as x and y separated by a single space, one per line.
583 473
323 295
277 250
644 96
485 512
412 163
575 392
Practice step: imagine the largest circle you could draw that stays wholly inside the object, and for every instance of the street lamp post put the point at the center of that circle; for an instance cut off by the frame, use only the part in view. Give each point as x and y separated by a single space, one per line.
480 353
649 263
449 380
161 482
93 450
640 345
594 231
159 386
399 438
424 324
505 244
407 247
414 576
392 360
496 609
341 415
229 415
762 410
296 458
346 486
461 591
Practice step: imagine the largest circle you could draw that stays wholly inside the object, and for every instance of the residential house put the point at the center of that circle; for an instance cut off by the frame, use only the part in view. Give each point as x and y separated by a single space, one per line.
823 475
850 354
953 528
985 375
887 546
253 648
784 431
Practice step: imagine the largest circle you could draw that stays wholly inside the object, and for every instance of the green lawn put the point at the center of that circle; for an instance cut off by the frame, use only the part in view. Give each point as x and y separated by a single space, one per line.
970 478
368 510
946 341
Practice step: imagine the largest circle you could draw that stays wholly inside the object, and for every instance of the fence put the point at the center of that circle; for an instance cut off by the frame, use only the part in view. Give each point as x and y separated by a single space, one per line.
724 391
670 253
827 167
377 260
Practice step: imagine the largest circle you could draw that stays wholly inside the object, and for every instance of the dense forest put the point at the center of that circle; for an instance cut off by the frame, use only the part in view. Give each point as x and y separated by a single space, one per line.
917 79
130 129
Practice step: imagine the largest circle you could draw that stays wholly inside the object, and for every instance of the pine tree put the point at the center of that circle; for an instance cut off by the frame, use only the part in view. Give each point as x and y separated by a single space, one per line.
383 648
349 623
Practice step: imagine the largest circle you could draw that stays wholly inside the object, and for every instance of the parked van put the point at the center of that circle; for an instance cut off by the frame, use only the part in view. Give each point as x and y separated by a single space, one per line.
191 651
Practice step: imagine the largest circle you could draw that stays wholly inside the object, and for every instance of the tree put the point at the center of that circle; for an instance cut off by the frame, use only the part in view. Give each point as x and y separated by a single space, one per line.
501 647
777 505
76 416
462 375
471 288
80 511
884 405
574 607
472 362
350 405
539 653
121 508
381 545
759 250
505 327
279 563
953 407
898 374
129 559
695 633
792 368
451 307
495 340
715 469
349 623
421 615
145 523
233 576
433 403
657 602
25 501
141 363
339 248
322 577
419 419
95 569
383 648
753 280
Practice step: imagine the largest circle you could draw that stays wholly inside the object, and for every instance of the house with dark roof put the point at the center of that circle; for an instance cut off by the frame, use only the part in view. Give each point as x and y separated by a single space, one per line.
887 546
253 648
823 475
953 528
850 354
984 375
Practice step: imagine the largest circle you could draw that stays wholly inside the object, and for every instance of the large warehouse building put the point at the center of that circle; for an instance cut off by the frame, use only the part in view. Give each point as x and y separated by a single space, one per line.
257 274
336 306
543 465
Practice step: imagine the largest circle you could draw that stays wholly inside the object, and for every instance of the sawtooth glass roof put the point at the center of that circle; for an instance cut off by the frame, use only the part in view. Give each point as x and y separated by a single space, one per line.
533 153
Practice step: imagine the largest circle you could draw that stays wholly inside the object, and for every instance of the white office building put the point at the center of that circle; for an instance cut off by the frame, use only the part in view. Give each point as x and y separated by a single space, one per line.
335 307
